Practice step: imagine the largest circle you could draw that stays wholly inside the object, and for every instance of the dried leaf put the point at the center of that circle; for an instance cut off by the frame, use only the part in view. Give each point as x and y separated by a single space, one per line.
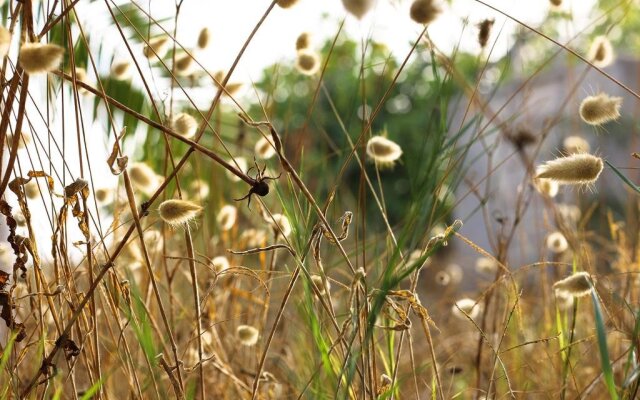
121 162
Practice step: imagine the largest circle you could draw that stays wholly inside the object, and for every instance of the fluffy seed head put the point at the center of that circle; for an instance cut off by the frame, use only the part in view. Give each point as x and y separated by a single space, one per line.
424 11
38 58
203 38
383 151
219 263
104 195
247 335
601 52
178 212
547 187
286 3
227 217
143 177
242 165
575 144
576 285
184 65
303 41
264 148
358 8
307 62
557 243
5 41
121 70
281 224
486 265
564 301
468 306
159 45
318 282
575 169
200 188
600 109
185 125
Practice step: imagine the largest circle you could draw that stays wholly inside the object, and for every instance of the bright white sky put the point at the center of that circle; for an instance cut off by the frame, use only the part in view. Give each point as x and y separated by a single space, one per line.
388 22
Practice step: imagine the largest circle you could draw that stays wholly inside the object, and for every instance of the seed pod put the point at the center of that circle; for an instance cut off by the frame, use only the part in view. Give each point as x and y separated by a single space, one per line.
424 11
358 8
203 38
557 243
601 52
600 109
247 335
178 212
5 41
383 151
121 70
303 41
280 223
546 187
308 62
227 217
575 145
484 31
576 285
219 264
37 58
185 125
157 47
574 169
468 306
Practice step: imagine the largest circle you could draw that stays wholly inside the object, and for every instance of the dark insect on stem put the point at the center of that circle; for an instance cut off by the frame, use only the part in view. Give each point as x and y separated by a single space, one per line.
258 184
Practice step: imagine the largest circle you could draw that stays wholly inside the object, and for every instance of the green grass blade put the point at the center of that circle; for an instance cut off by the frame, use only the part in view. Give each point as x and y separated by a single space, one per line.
602 345
623 177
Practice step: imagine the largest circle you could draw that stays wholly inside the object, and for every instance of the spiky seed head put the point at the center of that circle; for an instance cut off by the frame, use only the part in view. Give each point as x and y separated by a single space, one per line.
319 283
185 125
178 212
157 47
307 62
247 335
484 31
575 144
200 188
5 41
121 70
143 177
576 285
286 3
219 264
303 41
574 169
280 223
264 148
601 52
383 151
486 265
425 11
358 8
227 217
442 278
203 38
600 109
557 243
242 165
38 58
546 187
184 65
468 306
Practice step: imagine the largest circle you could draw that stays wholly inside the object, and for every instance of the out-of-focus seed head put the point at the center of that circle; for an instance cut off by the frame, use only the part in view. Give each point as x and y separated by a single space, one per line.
121 70
200 188
601 52
143 177
425 11
247 335
575 144
308 62
286 3
484 31
280 224
264 148
383 151
160 45
468 306
5 41
203 38
185 125
39 58
546 187
227 217
486 265
303 41
358 8
219 264
557 243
